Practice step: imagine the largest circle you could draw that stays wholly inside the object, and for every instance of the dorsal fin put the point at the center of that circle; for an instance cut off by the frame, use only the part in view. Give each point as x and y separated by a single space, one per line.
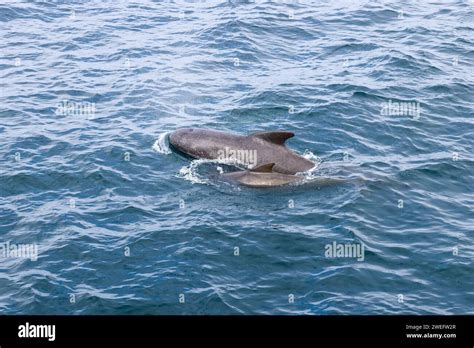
264 168
278 137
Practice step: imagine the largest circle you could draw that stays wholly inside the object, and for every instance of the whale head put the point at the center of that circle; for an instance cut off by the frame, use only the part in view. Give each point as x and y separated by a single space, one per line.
201 143
182 138
189 141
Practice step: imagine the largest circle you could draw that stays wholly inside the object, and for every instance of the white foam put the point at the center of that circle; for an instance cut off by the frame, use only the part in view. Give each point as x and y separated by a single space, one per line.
313 158
190 172
161 144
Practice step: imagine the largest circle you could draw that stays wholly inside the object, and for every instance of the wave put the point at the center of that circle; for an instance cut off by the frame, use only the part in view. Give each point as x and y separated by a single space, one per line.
161 145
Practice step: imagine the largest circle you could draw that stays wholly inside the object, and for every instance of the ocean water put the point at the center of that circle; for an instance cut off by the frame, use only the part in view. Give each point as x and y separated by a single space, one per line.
381 92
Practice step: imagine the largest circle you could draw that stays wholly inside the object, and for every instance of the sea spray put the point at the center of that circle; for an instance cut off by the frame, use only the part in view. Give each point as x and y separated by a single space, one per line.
161 144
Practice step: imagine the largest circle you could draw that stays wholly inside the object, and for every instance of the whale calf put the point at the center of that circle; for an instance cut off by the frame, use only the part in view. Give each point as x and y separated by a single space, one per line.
251 150
264 176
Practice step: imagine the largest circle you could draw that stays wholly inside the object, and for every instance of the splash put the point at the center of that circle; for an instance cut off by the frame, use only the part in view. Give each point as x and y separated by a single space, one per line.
191 172
310 173
161 144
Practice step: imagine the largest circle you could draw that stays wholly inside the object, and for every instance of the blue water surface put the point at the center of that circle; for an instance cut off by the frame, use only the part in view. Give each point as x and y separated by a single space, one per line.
90 90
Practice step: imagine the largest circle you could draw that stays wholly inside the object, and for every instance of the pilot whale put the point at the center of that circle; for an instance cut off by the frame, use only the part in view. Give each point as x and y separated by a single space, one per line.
264 176
250 150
